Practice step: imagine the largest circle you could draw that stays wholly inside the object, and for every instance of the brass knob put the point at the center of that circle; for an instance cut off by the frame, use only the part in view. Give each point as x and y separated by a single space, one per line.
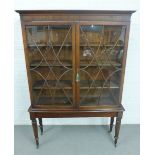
77 77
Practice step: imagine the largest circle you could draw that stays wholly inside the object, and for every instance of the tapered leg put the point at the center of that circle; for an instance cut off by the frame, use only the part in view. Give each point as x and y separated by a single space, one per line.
41 125
111 124
35 131
117 126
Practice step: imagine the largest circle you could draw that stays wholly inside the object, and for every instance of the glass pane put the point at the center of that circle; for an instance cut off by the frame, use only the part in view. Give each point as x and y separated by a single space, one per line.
101 52
50 57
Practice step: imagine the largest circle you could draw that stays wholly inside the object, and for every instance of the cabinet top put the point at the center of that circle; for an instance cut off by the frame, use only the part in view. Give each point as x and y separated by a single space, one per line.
76 11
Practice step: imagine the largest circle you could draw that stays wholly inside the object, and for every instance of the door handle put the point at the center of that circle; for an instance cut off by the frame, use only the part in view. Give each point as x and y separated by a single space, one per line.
77 77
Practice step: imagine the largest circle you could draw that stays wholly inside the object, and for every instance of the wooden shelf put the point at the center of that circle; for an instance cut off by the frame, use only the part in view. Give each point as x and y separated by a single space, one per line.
53 101
50 63
45 45
104 64
70 45
66 84
93 101
102 45
68 63
98 85
70 96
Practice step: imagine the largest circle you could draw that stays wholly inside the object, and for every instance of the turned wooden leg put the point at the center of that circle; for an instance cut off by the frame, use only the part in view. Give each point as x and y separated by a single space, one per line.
117 126
41 125
111 124
35 131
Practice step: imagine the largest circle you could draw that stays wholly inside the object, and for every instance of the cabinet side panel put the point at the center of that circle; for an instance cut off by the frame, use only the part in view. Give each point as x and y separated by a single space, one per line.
124 61
26 58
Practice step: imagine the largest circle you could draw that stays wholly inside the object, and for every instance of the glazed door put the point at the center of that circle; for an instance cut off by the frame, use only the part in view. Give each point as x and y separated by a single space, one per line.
51 56
99 67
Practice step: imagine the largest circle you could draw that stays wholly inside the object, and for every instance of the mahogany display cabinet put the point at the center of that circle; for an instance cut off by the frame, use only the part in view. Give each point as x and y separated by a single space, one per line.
75 63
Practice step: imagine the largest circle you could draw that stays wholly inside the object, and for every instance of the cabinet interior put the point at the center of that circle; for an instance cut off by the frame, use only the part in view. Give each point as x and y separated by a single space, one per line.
58 66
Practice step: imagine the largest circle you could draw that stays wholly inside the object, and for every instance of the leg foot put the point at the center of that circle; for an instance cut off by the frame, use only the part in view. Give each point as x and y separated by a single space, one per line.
115 142
117 126
35 131
41 125
37 146
111 124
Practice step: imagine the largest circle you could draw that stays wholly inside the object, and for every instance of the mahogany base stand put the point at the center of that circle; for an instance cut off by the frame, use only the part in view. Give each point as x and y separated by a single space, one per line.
39 114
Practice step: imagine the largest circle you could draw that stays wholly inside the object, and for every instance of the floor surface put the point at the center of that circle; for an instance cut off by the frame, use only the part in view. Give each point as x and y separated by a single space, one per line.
77 140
